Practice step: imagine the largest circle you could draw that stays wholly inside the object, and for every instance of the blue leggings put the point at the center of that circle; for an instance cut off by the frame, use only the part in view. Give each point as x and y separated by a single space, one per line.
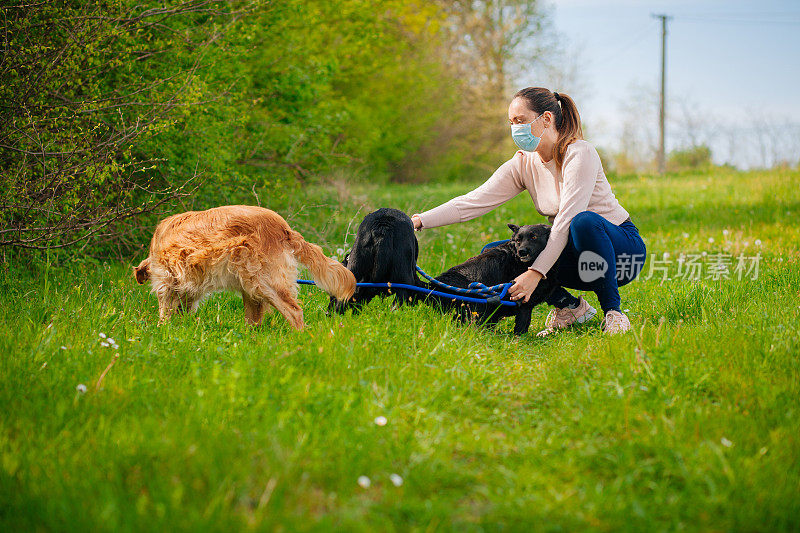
593 243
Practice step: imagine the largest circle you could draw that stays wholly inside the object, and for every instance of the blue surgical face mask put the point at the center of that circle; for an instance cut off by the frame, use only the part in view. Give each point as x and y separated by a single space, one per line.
523 136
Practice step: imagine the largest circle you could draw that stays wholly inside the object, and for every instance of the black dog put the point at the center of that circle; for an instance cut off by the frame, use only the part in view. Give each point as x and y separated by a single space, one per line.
500 264
385 250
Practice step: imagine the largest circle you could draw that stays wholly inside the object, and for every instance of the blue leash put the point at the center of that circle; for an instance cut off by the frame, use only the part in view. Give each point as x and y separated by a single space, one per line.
475 288
463 298
486 295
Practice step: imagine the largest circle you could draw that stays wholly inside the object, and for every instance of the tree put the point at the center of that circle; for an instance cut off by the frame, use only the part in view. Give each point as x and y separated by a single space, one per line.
114 109
483 41
84 88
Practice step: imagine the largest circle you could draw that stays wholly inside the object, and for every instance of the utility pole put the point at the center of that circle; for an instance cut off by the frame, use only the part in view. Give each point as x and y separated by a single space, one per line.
662 158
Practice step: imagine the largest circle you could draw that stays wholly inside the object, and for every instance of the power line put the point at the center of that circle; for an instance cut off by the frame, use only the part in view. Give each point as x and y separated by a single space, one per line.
629 44
729 20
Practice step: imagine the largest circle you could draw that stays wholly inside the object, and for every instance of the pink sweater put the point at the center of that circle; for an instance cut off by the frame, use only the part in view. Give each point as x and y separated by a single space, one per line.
580 185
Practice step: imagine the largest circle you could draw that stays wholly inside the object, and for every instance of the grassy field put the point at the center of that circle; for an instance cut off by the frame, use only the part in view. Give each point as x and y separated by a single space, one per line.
690 422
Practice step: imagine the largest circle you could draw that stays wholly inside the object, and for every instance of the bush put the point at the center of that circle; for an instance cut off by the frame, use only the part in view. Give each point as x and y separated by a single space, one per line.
116 110
694 158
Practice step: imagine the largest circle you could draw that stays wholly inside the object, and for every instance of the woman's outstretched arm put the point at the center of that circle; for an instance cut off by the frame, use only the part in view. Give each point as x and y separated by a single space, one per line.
505 184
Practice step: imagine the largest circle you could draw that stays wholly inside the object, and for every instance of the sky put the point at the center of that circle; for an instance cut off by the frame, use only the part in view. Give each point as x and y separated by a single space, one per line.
732 63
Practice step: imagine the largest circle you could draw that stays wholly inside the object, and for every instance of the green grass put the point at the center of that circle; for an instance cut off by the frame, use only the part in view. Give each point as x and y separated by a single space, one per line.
692 422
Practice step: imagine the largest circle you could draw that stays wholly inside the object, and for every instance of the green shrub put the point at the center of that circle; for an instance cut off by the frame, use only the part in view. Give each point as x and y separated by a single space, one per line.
694 158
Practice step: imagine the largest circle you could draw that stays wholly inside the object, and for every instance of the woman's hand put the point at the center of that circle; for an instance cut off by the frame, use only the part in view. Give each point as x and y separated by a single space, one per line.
417 222
524 285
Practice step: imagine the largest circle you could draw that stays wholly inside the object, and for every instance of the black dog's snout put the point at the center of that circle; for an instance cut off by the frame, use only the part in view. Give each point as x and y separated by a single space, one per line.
525 252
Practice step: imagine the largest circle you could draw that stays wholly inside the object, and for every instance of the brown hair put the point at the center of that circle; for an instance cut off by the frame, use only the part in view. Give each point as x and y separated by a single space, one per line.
568 122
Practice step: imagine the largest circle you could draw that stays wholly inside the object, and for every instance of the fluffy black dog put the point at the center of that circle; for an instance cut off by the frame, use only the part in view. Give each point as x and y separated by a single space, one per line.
385 250
496 265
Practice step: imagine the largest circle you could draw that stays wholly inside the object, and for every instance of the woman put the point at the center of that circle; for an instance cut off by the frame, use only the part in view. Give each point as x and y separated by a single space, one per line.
564 176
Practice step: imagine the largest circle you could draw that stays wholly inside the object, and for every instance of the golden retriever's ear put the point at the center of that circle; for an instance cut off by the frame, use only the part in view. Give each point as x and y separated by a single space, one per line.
142 272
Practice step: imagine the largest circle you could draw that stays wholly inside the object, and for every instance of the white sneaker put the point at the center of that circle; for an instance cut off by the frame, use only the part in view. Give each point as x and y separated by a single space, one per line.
616 322
564 317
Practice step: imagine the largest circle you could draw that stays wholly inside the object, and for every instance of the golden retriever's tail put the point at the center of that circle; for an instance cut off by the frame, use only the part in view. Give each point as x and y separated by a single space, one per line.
331 276
142 272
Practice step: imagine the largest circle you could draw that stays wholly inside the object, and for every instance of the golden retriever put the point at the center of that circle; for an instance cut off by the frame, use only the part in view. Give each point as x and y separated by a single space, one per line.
241 248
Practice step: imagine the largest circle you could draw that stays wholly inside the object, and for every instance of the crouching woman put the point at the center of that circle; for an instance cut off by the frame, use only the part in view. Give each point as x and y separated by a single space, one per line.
590 232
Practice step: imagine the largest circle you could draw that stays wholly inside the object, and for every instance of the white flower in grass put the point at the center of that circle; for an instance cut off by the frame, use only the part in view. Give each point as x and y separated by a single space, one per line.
725 232
63 347
757 242
364 482
725 442
380 420
111 341
396 480
104 344
711 239
666 255
81 388
685 235
102 335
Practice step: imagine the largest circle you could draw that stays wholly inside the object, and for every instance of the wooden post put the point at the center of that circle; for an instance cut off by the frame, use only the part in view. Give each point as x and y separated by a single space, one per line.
662 157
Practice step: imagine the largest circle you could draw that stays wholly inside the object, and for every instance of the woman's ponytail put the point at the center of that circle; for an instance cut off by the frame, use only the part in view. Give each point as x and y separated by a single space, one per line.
567 119
569 130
